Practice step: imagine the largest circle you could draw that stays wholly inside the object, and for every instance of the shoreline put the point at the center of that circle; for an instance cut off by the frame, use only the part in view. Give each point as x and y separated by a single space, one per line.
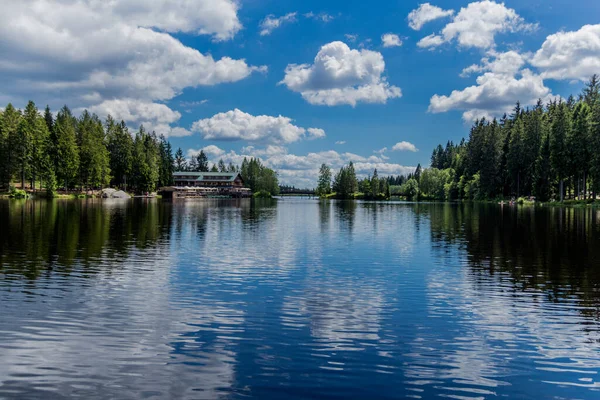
565 204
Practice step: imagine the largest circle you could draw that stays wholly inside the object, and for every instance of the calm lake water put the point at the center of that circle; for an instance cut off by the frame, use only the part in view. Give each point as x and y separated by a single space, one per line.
297 299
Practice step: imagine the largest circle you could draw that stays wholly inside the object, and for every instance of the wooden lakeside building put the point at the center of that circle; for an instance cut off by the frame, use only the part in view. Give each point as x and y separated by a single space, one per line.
190 184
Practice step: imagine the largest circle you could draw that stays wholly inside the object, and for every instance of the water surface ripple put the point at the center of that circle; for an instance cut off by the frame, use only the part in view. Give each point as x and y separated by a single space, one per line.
297 299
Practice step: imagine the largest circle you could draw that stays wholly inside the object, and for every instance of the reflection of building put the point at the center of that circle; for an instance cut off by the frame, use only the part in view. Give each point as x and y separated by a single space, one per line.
205 184
209 179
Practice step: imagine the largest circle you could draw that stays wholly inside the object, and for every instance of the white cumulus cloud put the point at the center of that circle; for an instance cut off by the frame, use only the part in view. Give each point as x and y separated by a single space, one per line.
426 13
154 116
238 125
303 170
315 133
508 63
502 83
340 75
477 25
87 52
210 151
570 55
430 41
405 146
269 151
391 40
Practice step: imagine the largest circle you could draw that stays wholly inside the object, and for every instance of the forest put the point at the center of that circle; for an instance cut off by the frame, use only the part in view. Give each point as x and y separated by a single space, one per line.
549 152
346 185
43 152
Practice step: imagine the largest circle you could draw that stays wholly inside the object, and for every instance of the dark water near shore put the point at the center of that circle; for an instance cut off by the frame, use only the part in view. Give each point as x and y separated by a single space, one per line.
297 299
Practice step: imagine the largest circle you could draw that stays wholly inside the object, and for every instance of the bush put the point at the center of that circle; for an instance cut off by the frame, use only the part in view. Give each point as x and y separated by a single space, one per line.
262 194
17 193
410 189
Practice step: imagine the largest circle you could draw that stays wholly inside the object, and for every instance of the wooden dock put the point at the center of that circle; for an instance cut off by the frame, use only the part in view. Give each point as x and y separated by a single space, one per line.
190 192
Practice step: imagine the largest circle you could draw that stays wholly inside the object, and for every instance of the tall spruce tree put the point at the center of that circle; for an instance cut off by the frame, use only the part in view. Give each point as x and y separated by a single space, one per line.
542 188
180 161
23 142
516 159
94 158
120 149
167 163
578 147
67 153
375 185
534 132
9 126
202 161
324 184
561 129
41 166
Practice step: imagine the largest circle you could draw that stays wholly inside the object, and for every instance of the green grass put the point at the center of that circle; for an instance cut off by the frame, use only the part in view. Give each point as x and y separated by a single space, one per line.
574 203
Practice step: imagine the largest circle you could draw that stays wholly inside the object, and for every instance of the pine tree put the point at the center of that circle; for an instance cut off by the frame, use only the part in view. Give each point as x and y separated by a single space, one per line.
534 132
374 185
561 128
543 171
490 175
22 144
578 146
120 149
100 173
151 147
591 93
437 157
11 118
145 161
324 185
594 141
222 166
49 119
87 148
352 184
516 155
202 162
245 171
180 162
418 172
67 153
167 163
41 165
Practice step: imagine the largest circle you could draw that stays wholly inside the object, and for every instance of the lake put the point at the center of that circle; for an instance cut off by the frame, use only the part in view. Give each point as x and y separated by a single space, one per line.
205 299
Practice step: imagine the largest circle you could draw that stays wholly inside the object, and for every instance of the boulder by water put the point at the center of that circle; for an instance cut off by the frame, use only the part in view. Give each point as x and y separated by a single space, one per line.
119 194
114 194
107 193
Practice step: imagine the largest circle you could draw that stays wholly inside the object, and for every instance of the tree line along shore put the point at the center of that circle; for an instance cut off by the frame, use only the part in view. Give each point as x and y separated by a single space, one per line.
550 152
66 154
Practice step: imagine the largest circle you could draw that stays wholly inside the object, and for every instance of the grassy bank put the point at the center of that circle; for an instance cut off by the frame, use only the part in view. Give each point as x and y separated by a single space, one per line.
521 201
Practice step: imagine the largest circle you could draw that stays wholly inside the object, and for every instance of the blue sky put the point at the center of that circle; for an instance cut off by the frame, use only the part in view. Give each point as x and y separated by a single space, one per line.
298 83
